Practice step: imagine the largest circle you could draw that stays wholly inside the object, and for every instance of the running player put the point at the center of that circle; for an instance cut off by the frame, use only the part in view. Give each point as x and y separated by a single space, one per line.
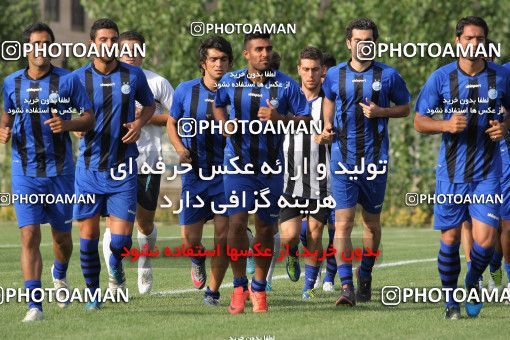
107 154
304 179
149 147
194 101
292 266
38 120
274 64
255 93
358 95
470 92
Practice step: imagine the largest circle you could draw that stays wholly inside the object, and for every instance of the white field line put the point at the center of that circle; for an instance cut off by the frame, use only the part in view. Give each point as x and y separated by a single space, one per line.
281 277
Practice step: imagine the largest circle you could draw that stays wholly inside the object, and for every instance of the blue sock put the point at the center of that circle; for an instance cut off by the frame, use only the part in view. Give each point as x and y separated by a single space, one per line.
241 282
480 258
468 264
311 273
302 234
117 245
367 263
495 263
59 269
90 263
448 265
215 295
345 274
331 235
30 285
330 260
507 269
258 286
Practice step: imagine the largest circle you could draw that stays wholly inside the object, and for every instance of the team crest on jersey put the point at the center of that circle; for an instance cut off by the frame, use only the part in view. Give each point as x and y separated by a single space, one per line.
126 89
53 97
376 85
274 102
493 93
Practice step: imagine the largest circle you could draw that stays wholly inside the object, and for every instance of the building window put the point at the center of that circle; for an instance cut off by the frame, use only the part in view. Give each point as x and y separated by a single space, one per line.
52 10
77 16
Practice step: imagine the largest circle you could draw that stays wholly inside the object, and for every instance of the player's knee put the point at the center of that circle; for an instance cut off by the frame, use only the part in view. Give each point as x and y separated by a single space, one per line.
450 237
237 226
191 240
289 238
343 228
63 240
265 231
30 234
373 227
315 229
146 227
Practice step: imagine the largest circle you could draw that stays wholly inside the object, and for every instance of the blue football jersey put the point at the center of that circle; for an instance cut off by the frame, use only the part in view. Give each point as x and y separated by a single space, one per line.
36 151
113 98
469 155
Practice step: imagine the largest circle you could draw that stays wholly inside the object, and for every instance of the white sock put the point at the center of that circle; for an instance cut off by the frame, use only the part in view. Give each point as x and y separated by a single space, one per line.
276 254
142 241
107 238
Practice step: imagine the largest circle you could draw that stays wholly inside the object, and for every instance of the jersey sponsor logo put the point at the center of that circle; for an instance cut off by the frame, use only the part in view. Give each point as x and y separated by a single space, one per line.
35 89
360 80
473 86
255 95
107 84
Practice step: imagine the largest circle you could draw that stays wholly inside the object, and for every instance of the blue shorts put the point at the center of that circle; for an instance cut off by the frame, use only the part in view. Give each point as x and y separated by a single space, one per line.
249 184
505 190
349 192
449 215
112 197
210 192
58 215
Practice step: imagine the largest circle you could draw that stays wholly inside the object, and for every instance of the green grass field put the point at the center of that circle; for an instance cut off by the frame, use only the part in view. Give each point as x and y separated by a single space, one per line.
179 313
